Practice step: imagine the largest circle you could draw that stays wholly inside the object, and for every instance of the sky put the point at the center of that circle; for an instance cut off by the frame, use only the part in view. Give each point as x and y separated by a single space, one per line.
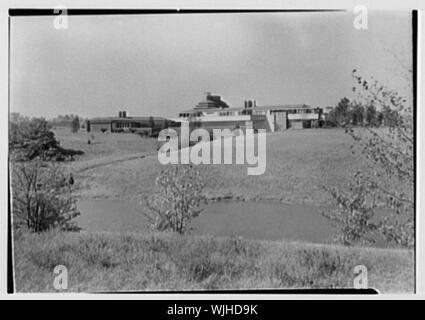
162 64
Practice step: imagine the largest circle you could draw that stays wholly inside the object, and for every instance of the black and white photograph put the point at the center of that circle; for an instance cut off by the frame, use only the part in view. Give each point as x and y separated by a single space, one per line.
179 151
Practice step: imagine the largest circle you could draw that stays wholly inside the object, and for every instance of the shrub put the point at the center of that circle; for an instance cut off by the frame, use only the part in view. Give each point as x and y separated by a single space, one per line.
177 199
390 178
43 197
354 213
75 125
32 139
144 132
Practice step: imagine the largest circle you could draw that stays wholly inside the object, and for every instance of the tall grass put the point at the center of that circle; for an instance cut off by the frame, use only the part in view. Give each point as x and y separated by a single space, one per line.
150 262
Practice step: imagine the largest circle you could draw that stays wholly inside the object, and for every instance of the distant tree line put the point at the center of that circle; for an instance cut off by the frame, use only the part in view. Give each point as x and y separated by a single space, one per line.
348 112
72 121
63 120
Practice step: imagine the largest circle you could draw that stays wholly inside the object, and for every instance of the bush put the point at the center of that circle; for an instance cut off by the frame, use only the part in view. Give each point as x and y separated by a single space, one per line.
389 180
354 213
43 197
177 199
31 139
75 125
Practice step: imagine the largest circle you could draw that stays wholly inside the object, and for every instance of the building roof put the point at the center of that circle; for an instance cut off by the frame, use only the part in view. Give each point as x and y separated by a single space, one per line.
211 102
266 107
103 119
202 110
283 107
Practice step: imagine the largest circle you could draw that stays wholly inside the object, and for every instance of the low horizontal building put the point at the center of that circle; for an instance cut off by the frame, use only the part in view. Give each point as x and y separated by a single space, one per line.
125 123
214 113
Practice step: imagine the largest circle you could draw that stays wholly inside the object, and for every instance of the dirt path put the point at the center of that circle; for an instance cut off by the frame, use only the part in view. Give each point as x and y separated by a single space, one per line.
95 163
100 162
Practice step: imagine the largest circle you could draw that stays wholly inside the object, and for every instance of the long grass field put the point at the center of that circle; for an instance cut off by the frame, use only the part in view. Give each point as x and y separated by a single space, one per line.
171 262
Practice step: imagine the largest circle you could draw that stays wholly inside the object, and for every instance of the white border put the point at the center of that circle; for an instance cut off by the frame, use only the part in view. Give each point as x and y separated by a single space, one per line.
222 4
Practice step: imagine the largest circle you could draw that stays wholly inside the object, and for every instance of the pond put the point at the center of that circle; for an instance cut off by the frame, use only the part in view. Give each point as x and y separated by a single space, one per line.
250 220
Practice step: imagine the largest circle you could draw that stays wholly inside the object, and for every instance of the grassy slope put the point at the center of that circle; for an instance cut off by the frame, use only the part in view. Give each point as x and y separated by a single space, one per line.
104 145
299 163
103 262
106 150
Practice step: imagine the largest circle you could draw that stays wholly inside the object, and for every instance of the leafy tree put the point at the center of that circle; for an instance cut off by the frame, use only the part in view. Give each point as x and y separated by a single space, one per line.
379 119
16 117
62 120
371 115
389 150
75 125
341 114
177 199
43 197
32 139
357 114
152 123
354 213
389 116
